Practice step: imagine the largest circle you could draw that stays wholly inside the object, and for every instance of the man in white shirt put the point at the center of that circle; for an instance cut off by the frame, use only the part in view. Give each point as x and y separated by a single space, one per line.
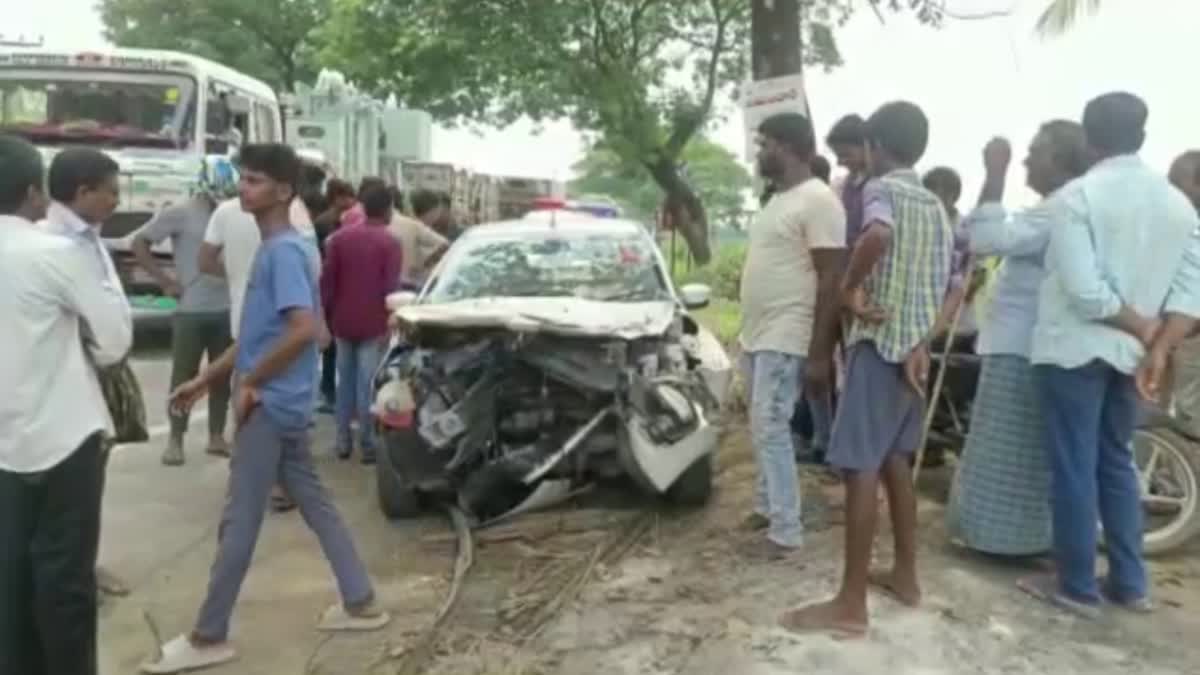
52 421
84 189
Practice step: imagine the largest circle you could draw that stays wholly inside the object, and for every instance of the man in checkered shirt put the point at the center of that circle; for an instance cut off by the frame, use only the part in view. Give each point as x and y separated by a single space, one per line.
894 286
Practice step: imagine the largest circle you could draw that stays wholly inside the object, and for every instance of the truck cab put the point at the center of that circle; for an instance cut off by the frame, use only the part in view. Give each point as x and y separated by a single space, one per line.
157 113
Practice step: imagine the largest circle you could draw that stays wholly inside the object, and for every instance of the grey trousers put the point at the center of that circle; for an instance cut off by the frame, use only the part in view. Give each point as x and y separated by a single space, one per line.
265 454
193 336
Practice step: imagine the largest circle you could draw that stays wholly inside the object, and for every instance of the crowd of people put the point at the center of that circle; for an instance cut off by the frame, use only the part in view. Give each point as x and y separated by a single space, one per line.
1087 295
282 289
269 268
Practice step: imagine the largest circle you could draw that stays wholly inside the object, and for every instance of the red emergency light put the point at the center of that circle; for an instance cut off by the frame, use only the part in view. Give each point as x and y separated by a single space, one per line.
549 204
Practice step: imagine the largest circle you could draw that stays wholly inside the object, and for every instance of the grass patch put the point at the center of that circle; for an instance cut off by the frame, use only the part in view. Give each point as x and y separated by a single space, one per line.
722 317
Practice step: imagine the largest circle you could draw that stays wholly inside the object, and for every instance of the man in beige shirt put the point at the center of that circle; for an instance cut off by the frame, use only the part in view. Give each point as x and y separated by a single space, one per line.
422 247
788 316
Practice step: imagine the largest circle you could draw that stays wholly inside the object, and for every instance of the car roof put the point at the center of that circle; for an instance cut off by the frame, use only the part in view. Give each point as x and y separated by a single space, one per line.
550 223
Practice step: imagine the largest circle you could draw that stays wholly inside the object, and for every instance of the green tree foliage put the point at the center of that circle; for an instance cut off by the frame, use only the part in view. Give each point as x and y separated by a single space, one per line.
721 182
1061 15
642 74
269 39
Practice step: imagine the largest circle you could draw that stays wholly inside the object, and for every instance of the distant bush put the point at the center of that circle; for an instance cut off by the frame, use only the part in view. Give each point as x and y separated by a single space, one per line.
723 273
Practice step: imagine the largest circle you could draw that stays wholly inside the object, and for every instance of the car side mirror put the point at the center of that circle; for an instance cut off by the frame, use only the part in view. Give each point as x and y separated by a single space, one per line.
400 299
695 296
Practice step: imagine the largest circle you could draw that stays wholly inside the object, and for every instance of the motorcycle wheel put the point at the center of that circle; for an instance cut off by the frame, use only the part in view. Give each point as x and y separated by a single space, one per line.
1168 467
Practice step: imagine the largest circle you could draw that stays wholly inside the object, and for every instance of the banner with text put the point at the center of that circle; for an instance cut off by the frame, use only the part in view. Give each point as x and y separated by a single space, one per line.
763 98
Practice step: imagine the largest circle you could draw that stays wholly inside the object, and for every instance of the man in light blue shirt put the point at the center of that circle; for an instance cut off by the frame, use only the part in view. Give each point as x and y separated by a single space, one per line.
1118 258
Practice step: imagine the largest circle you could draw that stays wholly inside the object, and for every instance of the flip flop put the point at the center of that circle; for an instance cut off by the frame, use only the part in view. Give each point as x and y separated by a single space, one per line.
1045 587
181 655
1142 605
807 621
881 581
337 620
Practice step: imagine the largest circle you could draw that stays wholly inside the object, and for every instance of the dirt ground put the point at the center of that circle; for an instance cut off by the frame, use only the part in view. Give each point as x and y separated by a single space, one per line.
616 585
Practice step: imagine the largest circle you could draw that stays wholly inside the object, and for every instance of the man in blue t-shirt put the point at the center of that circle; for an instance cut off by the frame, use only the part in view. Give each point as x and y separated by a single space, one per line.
275 356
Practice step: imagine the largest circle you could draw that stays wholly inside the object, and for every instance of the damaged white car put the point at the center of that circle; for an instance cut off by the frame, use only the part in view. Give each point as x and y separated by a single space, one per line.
543 355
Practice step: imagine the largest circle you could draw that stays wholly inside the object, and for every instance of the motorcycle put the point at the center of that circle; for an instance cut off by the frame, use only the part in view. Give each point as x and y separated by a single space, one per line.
1166 443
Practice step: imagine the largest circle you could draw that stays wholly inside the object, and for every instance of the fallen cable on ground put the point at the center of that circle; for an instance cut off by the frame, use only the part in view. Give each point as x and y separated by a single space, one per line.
414 659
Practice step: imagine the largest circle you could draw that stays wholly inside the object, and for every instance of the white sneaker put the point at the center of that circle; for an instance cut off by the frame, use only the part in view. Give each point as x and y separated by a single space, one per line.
181 655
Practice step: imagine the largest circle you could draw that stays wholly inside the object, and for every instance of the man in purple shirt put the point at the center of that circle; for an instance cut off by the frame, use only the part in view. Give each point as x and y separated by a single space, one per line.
846 141
362 266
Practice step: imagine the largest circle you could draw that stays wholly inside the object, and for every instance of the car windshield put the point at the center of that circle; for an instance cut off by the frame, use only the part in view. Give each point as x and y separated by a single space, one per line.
100 107
605 267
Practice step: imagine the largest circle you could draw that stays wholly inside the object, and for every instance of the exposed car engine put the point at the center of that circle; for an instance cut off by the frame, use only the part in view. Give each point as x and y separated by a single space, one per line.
489 414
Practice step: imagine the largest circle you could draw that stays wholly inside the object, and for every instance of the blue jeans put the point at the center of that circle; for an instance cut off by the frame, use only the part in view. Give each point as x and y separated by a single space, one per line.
773 386
356 365
1090 413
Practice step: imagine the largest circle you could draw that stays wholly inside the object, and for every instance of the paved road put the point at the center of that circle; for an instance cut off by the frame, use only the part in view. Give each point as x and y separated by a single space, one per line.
160 527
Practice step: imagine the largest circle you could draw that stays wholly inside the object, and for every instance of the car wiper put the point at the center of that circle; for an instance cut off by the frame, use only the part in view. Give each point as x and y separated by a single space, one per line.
638 295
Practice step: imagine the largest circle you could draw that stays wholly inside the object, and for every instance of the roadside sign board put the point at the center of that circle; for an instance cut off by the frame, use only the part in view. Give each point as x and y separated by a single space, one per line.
763 98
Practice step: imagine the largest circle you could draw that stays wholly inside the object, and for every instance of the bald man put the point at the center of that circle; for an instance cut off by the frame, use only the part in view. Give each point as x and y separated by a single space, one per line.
1185 175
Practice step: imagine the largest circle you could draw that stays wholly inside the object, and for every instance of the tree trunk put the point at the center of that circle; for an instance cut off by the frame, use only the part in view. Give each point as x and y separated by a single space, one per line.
775 45
684 208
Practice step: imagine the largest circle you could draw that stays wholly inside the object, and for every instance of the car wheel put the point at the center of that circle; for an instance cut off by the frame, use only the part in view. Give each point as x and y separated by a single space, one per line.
397 499
694 486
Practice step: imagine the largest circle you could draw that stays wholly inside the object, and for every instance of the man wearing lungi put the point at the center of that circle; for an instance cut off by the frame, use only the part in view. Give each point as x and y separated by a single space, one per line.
894 286
1000 500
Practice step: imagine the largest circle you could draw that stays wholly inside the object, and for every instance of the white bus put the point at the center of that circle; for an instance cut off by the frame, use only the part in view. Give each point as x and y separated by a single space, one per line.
157 113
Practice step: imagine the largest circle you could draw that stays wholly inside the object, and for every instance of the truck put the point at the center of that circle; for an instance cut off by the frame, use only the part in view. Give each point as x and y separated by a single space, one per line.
333 125
157 113
479 197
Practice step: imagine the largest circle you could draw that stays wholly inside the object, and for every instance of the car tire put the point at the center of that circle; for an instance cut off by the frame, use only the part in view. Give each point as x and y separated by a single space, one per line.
695 485
397 499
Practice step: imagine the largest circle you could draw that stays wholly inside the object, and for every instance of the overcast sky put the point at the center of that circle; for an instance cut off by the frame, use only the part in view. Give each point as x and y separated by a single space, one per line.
974 80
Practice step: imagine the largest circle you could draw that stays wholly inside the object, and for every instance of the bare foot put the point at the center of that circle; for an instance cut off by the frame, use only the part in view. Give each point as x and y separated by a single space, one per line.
830 618
901 588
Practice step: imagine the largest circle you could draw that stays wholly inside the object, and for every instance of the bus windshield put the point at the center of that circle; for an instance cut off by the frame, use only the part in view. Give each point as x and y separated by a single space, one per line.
98 106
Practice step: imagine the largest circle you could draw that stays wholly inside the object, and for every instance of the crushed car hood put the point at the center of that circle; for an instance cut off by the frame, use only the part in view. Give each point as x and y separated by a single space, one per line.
562 316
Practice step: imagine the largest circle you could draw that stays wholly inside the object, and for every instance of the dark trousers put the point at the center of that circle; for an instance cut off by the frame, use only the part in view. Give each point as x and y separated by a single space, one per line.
193 336
49 536
329 373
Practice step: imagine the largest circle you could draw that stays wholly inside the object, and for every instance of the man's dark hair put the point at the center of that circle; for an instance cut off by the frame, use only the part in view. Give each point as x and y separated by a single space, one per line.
424 201
820 168
444 198
369 182
21 168
850 130
76 168
337 188
944 181
1192 158
377 201
312 175
278 161
1115 124
1070 146
901 130
792 130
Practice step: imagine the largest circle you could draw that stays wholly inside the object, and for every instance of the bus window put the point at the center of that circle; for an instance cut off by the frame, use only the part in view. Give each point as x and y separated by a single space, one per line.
265 123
